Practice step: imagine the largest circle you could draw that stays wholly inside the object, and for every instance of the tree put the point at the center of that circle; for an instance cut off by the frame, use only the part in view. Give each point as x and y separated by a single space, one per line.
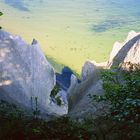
122 93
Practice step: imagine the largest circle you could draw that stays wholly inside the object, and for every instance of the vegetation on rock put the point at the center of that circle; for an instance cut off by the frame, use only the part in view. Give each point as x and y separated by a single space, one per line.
54 95
1 13
16 125
122 93
121 122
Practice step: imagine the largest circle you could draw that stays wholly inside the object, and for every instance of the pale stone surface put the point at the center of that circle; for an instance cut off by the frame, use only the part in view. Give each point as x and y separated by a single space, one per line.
126 53
25 73
80 104
73 83
116 48
85 107
88 69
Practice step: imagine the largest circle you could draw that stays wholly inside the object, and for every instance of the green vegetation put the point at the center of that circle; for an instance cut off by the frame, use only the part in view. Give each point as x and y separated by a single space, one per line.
57 66
54 95
55 90
35 110
1 15
9 111
16 125
120 122
122 93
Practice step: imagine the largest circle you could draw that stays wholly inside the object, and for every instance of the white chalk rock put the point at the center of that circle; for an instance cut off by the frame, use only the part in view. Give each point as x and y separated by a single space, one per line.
25 74
126 54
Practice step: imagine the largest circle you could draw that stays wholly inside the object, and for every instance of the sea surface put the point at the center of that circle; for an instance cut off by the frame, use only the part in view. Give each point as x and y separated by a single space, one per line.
72 31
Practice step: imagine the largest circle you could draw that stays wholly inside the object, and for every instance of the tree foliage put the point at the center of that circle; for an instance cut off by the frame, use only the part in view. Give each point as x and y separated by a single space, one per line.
122 92
54 95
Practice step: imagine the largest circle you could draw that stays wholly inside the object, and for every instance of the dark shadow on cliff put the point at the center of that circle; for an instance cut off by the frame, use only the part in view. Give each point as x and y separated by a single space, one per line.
63 79
63 73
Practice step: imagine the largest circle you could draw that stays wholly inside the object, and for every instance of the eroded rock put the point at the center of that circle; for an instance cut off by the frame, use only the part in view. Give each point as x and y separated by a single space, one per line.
25 74
126 55
80 104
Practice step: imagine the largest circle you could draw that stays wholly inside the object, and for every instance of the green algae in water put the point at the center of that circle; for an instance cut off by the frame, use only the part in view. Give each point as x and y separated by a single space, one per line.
72 31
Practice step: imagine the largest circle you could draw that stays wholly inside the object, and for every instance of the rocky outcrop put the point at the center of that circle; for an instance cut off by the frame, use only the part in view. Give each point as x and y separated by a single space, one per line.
80 104
88 69
26 75
126 55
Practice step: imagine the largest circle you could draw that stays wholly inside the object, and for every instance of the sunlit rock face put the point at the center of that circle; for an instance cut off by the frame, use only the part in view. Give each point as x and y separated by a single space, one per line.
126 55
25 74
88 69
80 104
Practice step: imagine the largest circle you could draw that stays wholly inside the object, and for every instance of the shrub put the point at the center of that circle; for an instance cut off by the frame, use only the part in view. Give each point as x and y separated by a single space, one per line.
1 13
54 95
30 128
122 92
55 90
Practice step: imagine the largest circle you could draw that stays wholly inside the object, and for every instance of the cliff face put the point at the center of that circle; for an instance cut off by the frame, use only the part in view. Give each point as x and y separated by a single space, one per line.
124 55
80 105
25 74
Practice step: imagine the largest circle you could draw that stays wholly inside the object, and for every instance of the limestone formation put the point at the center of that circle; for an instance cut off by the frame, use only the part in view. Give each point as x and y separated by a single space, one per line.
88 69
25 74
80 104
126 55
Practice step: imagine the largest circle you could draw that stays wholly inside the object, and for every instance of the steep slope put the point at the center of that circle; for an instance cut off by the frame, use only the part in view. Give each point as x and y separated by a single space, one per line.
80 104
125 56
26 77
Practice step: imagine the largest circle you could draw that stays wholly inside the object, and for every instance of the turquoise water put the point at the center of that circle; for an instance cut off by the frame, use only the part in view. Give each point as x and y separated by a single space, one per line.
71 31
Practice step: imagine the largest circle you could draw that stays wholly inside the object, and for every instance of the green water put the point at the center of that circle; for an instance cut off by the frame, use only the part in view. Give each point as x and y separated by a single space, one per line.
72 31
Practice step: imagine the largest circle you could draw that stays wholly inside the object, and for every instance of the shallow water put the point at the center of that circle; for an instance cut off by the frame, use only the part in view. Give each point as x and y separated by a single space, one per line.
71 31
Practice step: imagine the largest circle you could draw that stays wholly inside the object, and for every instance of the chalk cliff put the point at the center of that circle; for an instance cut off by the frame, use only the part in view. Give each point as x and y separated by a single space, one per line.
26 75
125 56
